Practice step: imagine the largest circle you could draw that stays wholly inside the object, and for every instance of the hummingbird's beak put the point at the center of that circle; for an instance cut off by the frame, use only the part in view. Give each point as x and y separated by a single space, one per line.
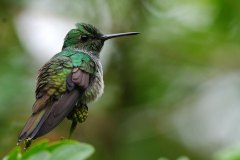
109 36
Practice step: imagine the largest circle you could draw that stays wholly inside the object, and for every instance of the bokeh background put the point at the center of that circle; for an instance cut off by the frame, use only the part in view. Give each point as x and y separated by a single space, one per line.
173 91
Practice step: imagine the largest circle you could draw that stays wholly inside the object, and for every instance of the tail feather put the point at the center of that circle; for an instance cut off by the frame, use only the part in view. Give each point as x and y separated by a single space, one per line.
30 125
60 110
48 118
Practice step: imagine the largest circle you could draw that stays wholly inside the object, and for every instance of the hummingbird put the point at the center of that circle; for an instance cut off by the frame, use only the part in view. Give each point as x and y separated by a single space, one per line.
68 82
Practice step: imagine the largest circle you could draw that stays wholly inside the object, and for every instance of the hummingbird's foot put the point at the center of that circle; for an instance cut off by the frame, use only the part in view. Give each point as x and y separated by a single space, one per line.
27 142
73 127
18 142
78 115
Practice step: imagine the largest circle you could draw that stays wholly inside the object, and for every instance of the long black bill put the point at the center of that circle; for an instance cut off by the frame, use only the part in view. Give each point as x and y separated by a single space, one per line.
109 36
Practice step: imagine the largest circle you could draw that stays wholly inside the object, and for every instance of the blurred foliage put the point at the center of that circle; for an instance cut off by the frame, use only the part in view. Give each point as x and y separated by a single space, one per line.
60 150
182 45
180 158
232 153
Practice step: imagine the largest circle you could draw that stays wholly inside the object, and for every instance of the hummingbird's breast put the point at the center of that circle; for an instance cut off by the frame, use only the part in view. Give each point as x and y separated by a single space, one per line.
95 89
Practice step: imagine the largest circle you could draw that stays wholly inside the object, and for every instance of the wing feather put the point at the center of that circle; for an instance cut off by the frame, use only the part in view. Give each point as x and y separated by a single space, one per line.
59 87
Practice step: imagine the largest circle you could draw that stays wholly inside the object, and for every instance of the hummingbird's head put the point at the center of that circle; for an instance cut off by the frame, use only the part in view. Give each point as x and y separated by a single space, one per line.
89 38
85 37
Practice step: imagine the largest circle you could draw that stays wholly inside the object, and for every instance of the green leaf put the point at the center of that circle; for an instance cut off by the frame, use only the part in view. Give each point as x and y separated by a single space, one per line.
71 150
60 150
35 149
15 154
42 155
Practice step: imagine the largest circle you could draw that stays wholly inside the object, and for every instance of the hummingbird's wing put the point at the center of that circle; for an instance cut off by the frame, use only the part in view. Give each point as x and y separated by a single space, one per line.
64 105
59 87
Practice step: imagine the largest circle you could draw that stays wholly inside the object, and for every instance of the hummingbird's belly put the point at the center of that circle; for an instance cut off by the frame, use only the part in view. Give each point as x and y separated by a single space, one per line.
94 91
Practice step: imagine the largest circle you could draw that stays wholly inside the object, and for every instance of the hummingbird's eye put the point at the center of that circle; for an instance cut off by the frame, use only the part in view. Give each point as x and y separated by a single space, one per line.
84 38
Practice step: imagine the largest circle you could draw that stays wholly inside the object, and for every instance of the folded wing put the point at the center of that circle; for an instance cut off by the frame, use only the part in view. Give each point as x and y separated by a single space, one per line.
59 88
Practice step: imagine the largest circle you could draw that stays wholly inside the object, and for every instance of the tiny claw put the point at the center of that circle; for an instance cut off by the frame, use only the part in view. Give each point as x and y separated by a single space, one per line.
27 142
18 142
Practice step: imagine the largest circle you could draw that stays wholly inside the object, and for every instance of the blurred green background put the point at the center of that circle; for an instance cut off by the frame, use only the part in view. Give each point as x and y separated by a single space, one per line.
172 91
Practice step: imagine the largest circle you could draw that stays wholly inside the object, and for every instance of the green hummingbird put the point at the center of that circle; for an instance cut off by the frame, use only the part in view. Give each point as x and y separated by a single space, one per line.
68 82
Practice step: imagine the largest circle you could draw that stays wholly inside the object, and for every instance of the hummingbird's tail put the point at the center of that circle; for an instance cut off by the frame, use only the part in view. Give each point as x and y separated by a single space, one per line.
49 116
35 120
